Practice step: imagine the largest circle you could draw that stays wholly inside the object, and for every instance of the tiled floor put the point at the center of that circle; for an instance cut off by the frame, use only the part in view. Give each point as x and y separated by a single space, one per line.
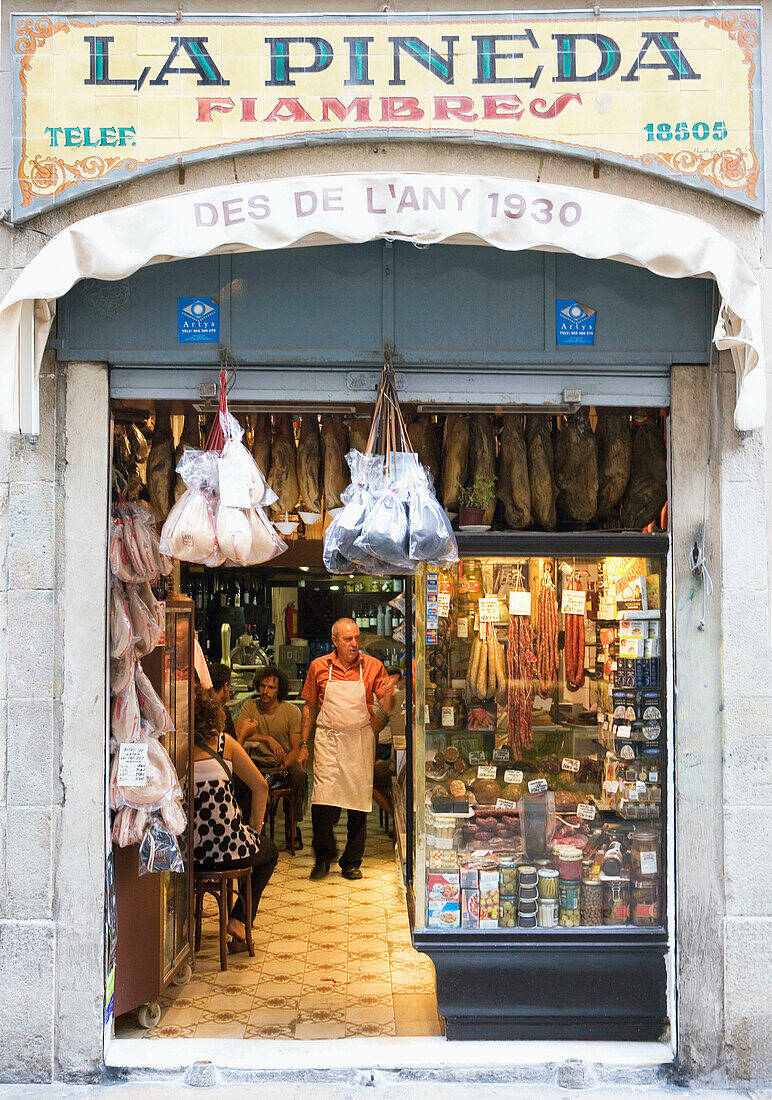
333 959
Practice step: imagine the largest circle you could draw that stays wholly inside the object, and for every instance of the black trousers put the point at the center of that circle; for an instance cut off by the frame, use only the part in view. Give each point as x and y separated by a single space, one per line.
324 820
262 863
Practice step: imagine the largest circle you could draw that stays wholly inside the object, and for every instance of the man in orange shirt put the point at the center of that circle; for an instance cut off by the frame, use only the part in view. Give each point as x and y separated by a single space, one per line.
339 691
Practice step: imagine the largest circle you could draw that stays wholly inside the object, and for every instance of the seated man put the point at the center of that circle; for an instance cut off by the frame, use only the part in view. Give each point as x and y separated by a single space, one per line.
271 728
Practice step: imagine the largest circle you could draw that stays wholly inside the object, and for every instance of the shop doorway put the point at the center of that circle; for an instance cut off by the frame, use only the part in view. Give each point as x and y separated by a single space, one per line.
333 958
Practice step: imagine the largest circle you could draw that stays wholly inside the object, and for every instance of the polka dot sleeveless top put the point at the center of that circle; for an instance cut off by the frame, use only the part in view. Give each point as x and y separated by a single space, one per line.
219 833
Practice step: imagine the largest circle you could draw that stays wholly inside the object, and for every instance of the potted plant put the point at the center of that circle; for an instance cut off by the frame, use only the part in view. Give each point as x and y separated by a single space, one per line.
474 500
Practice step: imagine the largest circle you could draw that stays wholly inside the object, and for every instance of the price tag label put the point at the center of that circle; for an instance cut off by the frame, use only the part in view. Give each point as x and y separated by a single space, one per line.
622 731
476 758
537 786
566 569
649 863
519 603
489 609
653 777
511 775
501 754
572 603
132 766
586 811
448 717
611 785
570 765
486 771
632 794
427 715
640 786
234 488
505 804
462 628
443 604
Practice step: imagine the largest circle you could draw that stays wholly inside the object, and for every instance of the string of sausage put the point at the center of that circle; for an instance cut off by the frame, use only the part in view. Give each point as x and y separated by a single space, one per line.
520 659
547 640
574 643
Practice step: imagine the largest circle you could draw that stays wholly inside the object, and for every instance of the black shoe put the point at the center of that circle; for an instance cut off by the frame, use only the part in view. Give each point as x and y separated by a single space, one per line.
351 872
320 870
298 841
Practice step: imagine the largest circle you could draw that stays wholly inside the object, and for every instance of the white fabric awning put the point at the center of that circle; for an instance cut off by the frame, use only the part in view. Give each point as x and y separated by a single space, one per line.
351 209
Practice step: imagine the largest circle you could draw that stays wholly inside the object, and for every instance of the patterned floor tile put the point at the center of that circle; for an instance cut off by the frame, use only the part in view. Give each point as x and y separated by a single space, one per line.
370 1030
284 1017
211 1029
330 1029
269 1031
222 1001
171 1031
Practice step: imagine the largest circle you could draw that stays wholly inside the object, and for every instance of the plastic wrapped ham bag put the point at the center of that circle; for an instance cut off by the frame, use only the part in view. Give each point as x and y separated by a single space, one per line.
121 672
150 705
234 534
121 635
189 533
144 624
129 826
160 786
266 540
146 540
431 535
125 716
385 531
159 850
121 565
174 816
340 553
245 469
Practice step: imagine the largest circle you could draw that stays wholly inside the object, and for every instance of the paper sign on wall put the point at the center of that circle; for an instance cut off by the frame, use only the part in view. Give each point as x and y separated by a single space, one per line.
443 604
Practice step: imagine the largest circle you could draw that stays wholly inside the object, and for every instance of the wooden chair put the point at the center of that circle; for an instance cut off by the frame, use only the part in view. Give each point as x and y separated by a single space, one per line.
386 808
220 885
285 795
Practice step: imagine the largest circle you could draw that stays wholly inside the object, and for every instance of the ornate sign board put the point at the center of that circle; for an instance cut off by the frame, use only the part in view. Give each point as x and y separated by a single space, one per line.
99 99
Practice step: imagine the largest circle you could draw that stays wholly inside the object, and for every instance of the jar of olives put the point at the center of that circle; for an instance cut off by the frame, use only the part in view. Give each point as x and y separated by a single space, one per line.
507 877
568 899
507 912
453 708
590 901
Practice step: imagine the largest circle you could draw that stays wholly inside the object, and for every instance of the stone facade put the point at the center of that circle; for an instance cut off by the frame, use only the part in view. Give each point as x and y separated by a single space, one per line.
53 534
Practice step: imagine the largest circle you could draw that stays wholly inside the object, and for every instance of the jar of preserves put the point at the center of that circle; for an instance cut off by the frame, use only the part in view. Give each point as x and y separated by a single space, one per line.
590 901
569 863
453 708
548 882
465 620
615 899
644 855
469 581
645 902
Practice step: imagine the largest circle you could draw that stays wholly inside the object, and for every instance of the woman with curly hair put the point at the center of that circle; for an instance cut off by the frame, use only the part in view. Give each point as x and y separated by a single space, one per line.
221 839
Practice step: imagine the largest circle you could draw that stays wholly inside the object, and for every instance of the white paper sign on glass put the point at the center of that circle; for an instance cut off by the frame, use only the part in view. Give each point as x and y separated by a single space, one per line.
443 604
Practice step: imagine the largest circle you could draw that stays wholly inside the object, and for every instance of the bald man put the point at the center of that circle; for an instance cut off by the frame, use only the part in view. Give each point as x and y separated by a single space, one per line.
339 692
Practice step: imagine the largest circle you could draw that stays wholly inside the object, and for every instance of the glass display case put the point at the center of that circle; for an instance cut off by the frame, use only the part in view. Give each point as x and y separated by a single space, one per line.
544 737
540 768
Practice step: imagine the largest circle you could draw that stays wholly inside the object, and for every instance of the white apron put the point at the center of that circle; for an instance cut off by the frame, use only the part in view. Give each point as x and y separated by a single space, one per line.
344 747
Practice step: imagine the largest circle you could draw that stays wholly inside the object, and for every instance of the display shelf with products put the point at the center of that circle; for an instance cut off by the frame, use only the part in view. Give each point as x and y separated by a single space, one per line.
543 816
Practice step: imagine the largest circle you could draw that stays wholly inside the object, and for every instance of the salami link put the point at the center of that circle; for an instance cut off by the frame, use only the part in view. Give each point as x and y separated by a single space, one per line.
574 648
520 659
546 640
